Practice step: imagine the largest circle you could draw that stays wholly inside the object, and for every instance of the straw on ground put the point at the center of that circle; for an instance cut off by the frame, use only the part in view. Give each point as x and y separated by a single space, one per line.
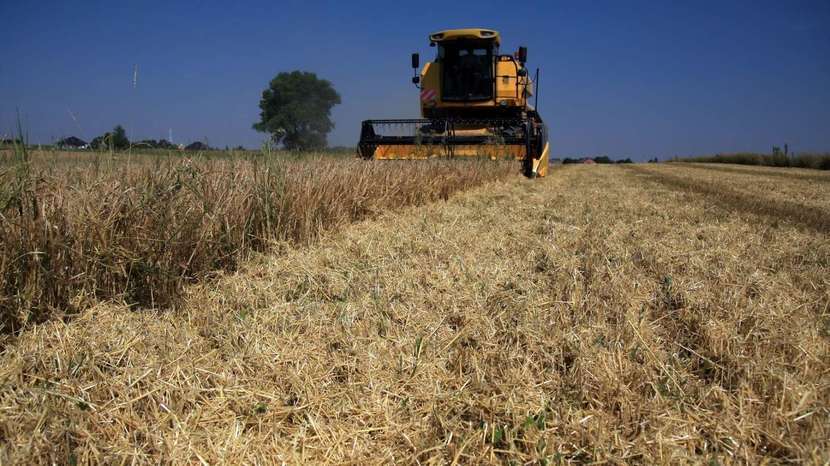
602 314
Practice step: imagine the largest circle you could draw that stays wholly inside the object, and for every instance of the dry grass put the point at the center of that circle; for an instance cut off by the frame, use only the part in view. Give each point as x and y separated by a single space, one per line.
598 315
78 228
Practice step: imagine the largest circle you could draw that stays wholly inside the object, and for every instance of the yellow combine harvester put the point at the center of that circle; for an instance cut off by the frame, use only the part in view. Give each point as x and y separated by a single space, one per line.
474 103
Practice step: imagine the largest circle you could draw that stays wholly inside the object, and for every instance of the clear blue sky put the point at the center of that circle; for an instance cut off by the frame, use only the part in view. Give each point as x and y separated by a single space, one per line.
629 78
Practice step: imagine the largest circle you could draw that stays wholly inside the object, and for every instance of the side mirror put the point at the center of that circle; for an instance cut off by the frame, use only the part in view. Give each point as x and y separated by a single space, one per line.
522 55
522 72
416 79
416 60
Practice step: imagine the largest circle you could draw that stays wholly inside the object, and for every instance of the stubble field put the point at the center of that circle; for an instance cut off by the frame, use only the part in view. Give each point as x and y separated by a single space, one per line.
648 314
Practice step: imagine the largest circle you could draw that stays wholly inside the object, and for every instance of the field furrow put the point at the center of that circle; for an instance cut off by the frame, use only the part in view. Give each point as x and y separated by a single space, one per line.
804 203
759 172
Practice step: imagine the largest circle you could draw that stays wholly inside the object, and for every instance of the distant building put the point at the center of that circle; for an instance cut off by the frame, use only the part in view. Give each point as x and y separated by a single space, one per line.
72 143
196 146
589 162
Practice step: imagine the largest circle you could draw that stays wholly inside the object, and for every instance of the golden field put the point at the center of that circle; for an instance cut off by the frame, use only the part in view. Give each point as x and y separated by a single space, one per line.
665 314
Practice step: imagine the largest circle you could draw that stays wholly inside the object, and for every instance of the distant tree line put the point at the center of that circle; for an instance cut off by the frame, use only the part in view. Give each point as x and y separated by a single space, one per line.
11 142
155 144
601 159
295 111
117 140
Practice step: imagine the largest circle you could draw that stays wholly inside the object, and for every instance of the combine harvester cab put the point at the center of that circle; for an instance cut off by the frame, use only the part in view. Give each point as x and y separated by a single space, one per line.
474 103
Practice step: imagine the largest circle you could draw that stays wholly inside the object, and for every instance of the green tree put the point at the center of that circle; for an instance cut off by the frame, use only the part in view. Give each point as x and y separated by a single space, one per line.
296 110
115 139
119 138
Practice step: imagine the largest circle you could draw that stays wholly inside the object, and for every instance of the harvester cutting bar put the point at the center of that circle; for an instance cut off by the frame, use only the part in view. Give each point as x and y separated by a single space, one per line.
377 134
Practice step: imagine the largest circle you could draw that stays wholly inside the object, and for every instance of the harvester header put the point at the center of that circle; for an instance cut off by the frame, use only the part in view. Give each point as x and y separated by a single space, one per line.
474 103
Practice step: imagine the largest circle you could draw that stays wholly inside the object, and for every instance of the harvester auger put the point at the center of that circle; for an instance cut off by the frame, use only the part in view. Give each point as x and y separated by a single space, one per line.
474 103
